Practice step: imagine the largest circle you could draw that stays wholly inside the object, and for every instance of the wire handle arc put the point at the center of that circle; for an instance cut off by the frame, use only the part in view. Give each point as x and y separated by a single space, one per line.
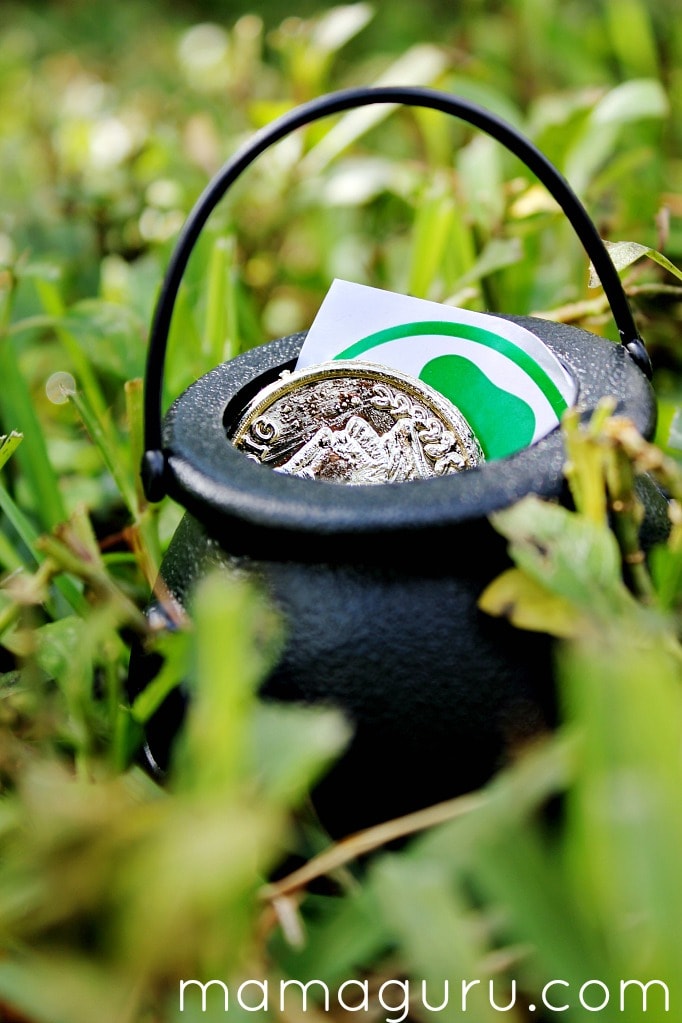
155 462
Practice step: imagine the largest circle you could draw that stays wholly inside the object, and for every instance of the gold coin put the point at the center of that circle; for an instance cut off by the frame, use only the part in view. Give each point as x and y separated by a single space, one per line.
355 422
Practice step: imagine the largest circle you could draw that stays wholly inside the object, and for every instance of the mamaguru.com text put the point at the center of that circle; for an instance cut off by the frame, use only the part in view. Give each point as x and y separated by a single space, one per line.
395 996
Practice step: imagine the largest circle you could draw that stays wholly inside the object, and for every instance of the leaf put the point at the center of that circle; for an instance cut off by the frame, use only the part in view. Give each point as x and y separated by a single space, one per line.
675 434
571 556
114 454
516 866
420 65
529 605
52 301
173 647
348 934
358 180
8 445
39 271
624 827
60 986
541 772
629 24
437 933
432 234
59 644
631 101
498 846
494 98
110 335
292 746
220 338
236 634
624 254
480 176
498 254
338 26
597 141
517 871
19 412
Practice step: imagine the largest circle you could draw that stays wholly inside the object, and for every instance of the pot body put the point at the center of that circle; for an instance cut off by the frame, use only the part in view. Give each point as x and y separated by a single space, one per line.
436 691
379 587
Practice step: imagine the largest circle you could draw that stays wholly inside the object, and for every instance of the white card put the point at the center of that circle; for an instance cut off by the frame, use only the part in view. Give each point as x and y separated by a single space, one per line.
502 377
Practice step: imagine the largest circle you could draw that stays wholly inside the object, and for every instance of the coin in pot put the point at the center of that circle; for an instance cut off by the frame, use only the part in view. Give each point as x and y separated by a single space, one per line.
356 423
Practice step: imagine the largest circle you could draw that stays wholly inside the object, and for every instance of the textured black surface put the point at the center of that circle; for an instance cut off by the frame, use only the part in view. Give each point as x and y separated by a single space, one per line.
437 691
378 586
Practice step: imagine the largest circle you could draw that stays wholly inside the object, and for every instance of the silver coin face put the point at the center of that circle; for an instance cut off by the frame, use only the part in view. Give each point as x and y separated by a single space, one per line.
356 423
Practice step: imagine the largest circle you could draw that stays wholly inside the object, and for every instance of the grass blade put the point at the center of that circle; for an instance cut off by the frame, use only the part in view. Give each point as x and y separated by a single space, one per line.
115 456
19 414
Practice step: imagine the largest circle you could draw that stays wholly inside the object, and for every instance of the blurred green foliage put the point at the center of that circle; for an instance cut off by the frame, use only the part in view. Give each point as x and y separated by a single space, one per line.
113 118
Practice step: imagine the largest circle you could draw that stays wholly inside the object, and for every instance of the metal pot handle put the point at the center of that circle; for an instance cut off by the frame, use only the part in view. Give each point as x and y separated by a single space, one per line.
155 463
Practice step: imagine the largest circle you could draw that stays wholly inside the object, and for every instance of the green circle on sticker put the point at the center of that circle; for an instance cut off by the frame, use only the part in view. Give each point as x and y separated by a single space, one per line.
502 422
465 332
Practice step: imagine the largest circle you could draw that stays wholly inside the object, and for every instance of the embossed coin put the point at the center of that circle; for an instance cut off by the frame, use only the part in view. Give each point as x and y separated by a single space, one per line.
355 422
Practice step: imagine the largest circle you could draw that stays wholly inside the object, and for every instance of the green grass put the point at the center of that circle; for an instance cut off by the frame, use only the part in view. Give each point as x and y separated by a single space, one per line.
114 888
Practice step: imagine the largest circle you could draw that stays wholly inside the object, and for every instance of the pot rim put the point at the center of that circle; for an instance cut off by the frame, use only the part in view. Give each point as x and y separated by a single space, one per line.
240 500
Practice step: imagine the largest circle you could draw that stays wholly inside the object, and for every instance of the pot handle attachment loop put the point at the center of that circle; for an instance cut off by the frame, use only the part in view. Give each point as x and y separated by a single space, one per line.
155 466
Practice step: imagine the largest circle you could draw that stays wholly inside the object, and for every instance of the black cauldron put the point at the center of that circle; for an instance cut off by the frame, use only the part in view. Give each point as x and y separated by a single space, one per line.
378 585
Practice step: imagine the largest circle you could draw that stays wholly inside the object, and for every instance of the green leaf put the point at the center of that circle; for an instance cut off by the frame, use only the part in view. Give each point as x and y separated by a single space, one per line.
624 827
220 334
115 455
482 183
62 985
173 647
542 771
439 936
110 335
339 25
292 745
520 873
420 65
58 646
597 141
569 555
29 536
39 271
51 299
431 234
499 852
529 605
8 445
675 432
356 181
343 935
630 28
19 414
624 254
236 635
498 254
632 101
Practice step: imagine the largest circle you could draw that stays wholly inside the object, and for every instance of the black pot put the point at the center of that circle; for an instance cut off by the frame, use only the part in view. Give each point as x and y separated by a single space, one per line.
379 585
